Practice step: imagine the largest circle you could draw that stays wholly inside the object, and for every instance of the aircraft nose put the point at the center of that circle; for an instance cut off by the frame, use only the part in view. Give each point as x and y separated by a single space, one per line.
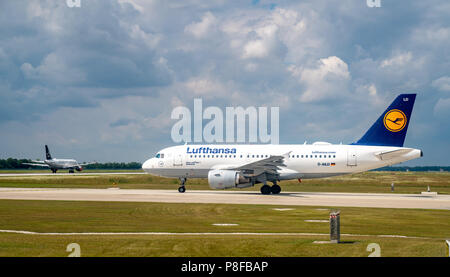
148 165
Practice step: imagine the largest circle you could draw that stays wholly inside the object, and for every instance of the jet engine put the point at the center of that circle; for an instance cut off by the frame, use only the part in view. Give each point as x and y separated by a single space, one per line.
79 168
226 179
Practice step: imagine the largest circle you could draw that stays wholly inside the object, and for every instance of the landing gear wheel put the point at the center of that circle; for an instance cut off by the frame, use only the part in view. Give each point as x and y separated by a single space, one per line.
182 189
275 189
71 171
265 189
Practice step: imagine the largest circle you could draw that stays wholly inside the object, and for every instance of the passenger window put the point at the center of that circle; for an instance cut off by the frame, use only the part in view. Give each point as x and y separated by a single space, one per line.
334 156
302 156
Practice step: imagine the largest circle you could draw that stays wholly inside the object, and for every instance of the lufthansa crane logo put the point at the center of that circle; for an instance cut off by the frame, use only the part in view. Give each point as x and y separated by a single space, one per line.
395 120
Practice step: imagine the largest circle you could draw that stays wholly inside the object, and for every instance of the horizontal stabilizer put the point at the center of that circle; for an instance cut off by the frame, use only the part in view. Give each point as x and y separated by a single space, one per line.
389 155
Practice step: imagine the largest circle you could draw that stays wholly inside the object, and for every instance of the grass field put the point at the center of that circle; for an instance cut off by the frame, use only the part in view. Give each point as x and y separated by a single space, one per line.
426 229
429 227
12 245
374 181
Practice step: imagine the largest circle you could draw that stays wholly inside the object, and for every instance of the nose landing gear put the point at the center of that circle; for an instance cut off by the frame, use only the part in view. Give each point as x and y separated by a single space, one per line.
182 188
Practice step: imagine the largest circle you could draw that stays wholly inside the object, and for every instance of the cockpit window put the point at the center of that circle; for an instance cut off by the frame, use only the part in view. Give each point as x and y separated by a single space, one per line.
158 155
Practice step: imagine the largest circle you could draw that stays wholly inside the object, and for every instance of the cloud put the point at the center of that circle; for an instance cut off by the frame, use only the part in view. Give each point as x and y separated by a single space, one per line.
202 28
115 69
53 69
122 122
205 87
398 60
442 84
327 79
442 108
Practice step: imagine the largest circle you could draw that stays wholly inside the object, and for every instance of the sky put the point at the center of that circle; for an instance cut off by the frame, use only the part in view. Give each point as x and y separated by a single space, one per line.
99 81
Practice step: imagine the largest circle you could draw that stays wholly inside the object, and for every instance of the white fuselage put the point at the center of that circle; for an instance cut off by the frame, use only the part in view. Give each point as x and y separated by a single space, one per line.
62 163
302 161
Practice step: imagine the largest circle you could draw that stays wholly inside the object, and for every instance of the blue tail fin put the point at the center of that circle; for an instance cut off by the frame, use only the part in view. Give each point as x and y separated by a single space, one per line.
390 128
47 153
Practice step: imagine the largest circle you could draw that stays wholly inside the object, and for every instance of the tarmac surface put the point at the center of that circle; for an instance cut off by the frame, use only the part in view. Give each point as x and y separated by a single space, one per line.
373 200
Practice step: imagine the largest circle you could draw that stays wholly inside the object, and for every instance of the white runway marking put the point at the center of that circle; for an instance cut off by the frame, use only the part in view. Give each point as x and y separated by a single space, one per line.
317 220
370 200
196 234
225 224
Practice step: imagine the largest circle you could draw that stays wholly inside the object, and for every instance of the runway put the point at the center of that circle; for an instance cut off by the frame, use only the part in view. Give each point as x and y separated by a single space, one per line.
372 200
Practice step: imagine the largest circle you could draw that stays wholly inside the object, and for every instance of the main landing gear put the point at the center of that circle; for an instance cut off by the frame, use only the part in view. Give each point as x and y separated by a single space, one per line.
266 189
182 188
54 170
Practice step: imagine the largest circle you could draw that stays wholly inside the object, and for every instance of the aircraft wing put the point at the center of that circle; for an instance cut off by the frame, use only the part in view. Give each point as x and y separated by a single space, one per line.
269 165
387 155
37 164
82 164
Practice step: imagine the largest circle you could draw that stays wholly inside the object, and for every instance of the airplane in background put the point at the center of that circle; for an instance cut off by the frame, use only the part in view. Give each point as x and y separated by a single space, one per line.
55 164
241 166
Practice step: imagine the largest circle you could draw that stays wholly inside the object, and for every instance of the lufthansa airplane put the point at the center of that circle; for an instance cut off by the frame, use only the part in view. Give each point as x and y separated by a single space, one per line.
241 166
55 164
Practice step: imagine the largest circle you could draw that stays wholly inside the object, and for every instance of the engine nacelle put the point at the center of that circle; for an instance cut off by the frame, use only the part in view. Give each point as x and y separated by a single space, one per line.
79 168
227 179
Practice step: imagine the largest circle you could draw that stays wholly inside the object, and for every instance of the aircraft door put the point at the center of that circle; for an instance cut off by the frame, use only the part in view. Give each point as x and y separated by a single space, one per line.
177 159
351 157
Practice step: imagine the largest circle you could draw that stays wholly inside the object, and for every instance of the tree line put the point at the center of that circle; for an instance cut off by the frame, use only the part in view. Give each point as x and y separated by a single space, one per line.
413 168
12 163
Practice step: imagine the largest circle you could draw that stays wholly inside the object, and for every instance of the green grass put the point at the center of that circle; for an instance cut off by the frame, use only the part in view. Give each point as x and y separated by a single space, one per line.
374 182
432 226
12 245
